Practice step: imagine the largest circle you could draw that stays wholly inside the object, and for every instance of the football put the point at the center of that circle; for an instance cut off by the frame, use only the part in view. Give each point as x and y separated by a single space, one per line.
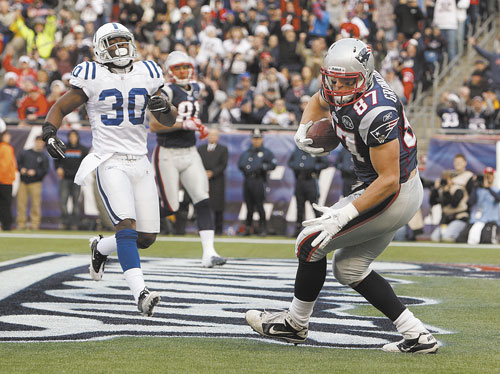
323 135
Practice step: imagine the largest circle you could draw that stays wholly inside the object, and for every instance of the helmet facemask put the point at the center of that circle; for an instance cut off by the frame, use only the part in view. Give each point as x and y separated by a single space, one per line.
352 85
181 73
117 52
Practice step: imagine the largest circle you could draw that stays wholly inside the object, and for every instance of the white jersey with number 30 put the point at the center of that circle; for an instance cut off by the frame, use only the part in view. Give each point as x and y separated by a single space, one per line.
117 104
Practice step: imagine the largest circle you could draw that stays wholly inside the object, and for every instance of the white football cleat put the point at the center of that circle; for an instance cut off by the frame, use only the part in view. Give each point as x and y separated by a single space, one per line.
147 302
424 343
97 260
276 325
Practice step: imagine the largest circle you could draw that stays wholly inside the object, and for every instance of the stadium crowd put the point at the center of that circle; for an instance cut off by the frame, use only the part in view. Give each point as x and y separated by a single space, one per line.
261 59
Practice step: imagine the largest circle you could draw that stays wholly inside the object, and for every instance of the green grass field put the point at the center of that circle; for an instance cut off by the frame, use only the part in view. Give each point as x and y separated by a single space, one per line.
468 307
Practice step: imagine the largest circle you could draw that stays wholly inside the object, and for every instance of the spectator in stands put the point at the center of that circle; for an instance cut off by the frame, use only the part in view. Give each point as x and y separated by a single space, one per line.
33 166
451 111
446 19
93 11
42 37
311 83
279 115
434 46
287 49
407 17
259 109
484 217
229 113
321 21
395 83
24 71
383 16
130 13
494 65
452 192
10 96
66 169
8 169
480 114
462 6
238 53
57 89
34 106
294 93
477 84
313 57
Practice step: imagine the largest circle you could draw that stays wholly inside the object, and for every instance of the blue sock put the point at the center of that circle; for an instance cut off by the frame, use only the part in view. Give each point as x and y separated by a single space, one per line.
126 243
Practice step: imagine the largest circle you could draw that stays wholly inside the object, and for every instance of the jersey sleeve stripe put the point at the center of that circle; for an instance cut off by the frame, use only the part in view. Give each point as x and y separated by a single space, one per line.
86 70
150 71
154 65
94 68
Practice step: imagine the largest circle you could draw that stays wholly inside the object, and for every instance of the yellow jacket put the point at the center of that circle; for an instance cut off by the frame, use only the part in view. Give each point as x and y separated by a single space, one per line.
43 42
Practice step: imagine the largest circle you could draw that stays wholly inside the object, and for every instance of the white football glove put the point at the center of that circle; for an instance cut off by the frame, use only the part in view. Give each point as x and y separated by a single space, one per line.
303 142
330 223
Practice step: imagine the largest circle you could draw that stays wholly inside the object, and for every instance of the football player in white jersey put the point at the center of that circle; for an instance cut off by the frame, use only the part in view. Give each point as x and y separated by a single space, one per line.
176 157
117 91
370 121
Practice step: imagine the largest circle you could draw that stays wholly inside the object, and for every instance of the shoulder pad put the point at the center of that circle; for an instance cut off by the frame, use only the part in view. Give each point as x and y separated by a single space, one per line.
86 70
152 68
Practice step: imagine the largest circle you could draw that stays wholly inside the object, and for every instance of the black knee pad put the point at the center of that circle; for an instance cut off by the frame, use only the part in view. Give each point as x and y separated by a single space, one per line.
145 240
204 217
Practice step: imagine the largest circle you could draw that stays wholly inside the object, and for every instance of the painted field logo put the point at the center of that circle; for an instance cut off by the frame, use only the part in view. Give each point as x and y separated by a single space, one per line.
51 298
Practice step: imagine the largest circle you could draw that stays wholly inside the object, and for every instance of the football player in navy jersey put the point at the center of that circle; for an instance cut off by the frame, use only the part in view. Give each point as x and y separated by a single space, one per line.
176 158
370 121
116 91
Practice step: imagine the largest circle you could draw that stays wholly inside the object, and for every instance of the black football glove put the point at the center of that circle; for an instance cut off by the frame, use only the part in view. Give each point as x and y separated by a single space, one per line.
55 146
158 104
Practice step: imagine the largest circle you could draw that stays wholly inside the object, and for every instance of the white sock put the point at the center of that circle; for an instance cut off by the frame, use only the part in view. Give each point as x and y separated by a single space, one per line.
207 242
107 245
301 311
135 280
408 325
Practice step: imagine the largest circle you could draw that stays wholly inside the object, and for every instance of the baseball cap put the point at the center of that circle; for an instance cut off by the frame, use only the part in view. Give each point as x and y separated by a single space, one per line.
257 133
477 98
286 27
24 59
185 9
488 170
10 75
264 55
206 9
261 29
246 75
78 29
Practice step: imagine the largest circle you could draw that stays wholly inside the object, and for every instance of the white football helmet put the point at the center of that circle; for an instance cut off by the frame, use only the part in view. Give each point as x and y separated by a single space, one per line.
119 54
181 76
349 62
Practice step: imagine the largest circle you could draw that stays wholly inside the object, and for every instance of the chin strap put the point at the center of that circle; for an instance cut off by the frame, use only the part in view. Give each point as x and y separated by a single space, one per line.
120 69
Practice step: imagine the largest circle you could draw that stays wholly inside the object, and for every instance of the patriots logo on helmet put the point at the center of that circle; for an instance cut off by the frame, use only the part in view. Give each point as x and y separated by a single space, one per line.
382 132
363 56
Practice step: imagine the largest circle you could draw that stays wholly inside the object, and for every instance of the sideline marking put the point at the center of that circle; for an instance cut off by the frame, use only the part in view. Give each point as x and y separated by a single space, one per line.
243 240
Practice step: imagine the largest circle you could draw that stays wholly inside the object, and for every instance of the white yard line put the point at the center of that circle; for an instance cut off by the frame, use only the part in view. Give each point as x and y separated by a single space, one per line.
238 240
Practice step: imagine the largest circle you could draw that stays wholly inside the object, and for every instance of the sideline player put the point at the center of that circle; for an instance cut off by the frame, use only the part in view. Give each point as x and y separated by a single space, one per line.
370 121
116 91
176 157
